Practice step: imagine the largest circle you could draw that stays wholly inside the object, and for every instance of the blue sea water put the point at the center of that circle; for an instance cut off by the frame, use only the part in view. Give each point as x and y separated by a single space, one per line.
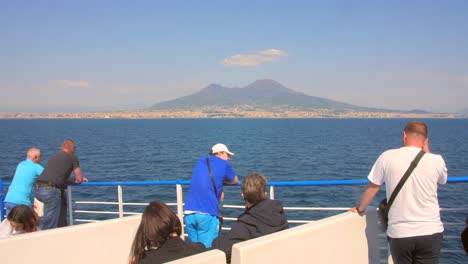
281 149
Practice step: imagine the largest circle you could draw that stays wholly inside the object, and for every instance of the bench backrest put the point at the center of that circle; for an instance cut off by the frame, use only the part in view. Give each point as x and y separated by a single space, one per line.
344 238
101 242
214 256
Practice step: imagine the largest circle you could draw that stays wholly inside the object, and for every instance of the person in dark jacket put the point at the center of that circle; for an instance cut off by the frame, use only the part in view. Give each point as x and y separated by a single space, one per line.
261 216
158 237
464 237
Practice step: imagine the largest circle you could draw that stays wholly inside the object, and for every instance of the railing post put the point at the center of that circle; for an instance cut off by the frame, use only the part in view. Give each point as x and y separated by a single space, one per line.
120 198
389 258
70 205
180 206
1 201
272 192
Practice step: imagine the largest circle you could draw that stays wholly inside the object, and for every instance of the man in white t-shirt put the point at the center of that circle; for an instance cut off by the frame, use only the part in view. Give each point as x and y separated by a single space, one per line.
415 230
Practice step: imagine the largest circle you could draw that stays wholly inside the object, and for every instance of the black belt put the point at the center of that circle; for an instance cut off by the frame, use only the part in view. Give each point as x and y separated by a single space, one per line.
50 184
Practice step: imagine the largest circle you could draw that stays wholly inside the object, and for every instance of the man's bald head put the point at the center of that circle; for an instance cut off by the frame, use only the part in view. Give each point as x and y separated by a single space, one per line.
34 154
416 127
415 134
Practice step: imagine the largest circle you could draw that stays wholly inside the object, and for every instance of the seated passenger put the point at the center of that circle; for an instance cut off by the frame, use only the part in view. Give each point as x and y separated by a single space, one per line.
261 216
158 237
464 237
21 219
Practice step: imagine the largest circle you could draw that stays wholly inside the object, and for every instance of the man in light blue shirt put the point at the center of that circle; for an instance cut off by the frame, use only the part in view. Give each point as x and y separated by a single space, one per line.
20 191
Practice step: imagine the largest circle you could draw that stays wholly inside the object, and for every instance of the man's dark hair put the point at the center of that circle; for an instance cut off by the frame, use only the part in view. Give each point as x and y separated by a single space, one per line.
253 187
416 127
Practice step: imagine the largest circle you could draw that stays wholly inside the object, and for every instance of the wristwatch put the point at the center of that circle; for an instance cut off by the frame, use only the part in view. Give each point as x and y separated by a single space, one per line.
357 209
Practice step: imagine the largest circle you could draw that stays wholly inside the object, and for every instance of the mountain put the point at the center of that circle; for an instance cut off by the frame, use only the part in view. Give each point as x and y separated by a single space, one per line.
261 94
418 111
463 111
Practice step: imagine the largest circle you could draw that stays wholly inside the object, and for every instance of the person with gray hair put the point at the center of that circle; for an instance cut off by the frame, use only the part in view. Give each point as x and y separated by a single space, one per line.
20 190
261 216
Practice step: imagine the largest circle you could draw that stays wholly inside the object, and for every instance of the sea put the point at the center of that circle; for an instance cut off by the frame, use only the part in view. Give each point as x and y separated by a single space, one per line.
280 149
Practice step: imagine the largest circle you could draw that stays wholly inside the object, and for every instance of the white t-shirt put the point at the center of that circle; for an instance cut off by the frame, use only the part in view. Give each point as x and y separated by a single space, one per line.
415 211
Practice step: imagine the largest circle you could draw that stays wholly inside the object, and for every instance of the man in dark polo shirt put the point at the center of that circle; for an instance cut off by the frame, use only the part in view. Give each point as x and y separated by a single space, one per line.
51 185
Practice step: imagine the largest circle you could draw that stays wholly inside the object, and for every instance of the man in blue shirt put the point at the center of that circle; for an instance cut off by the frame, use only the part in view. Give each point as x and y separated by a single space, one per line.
201 204
20 191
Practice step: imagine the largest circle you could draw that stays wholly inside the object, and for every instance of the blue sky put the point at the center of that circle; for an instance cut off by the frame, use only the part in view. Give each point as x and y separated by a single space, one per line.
93 55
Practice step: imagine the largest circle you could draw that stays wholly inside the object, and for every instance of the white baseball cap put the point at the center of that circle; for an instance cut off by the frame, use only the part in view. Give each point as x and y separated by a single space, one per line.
220 148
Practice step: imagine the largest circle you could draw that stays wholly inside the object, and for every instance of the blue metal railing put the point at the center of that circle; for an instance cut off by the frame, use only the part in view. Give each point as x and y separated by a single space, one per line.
451 179
1 200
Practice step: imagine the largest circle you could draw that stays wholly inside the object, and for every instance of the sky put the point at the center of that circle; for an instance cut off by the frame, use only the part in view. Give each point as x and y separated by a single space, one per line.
106 55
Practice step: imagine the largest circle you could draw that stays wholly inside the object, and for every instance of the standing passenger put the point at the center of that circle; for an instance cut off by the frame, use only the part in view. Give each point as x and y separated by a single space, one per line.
201 204
20 190
414 230
51 185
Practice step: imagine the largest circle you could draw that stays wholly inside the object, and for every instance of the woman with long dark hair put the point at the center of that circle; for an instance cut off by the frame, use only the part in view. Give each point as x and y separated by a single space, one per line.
21 219
157 239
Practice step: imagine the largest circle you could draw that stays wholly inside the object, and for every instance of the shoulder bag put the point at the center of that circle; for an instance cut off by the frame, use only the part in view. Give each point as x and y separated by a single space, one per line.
384 206
220 216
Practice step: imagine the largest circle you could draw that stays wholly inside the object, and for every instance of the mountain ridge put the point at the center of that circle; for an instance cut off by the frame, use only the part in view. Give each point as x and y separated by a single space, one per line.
263 94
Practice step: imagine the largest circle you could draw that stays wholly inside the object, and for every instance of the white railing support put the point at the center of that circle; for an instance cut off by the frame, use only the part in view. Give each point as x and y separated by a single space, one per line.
389 258
70 205
180 206
120 198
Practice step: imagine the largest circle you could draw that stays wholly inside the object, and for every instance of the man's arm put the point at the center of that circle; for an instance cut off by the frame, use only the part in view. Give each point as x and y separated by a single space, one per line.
425 146
442 170
79 175
367 197
221 198
234 181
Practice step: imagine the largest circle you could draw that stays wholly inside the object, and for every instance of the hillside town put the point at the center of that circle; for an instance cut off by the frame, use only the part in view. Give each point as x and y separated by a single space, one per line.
218 112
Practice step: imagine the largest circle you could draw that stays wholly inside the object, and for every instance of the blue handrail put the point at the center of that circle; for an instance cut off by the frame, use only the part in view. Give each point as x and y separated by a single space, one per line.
451 179
1 200
272 183
457 179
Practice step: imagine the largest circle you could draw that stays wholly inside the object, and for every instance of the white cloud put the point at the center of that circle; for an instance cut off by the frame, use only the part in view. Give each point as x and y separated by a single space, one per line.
73 83
256 58
273 52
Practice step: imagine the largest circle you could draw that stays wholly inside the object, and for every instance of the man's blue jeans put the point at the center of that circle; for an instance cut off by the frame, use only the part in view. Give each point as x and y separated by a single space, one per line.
55 207
8 207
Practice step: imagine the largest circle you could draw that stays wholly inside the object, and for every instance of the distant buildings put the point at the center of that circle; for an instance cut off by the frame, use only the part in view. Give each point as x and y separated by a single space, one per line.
218 112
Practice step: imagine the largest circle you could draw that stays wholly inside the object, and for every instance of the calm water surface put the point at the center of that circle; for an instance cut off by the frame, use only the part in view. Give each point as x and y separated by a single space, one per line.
281 149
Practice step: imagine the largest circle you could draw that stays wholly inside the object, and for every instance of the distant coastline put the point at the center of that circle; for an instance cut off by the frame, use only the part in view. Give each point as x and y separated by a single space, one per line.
224 113
261 99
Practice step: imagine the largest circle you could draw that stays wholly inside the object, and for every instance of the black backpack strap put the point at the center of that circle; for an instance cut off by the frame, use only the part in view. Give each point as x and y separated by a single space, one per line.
405 177
212 178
